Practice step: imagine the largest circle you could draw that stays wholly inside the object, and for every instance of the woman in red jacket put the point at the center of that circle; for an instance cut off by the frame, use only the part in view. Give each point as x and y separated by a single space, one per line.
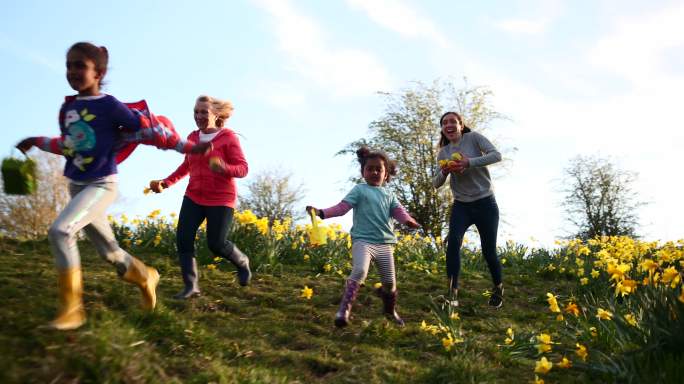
211 192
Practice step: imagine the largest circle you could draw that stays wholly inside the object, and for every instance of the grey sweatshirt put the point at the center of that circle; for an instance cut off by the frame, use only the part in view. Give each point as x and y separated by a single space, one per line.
474 183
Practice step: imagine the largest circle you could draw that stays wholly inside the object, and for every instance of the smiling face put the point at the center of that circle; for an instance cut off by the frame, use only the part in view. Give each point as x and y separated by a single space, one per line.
374 172
204 117
81 74
452 127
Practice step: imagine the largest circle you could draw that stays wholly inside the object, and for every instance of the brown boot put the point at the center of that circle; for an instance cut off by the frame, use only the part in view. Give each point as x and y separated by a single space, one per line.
71 314
350 291
146 278
389 301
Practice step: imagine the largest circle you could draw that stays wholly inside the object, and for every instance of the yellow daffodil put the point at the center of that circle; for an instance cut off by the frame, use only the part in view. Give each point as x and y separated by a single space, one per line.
617 271
584 281
572 308
211 267
327 267
306 293
423 325
154 214
581 351
593 331
553 303
449 341
455 316
537 380
625 287
564 363
511 336
545 342
648 265
603 314
671 275
377 285
630 319
306 257
543 366
595 274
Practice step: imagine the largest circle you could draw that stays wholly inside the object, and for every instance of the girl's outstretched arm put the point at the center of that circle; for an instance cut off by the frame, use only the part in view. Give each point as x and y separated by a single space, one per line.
48 144
399 214
340 209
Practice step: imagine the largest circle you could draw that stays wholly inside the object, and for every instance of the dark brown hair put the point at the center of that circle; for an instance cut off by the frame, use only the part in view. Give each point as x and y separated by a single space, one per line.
443 141
99 56
364 153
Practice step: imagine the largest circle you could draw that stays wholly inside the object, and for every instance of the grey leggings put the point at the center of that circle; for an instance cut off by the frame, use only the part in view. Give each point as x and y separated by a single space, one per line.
87 210
382 254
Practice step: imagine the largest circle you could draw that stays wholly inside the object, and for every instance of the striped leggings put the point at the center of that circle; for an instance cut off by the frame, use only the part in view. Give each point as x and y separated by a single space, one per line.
382 254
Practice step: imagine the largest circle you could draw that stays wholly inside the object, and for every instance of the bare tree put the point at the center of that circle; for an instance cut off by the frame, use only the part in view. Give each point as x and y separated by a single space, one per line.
272 195
30 216
599 199
409 132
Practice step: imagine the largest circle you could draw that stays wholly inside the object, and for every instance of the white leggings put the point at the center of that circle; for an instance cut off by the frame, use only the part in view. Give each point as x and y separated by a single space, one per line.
87 210
381 254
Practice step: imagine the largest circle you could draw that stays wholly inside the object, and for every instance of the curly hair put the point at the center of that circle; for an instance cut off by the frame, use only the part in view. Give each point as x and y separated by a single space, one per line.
364 153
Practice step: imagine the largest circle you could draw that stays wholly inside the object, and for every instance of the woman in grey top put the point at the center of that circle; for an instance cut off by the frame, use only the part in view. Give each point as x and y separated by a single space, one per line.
464 156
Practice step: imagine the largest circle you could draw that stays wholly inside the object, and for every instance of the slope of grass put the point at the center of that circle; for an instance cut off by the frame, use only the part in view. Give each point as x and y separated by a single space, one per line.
264 333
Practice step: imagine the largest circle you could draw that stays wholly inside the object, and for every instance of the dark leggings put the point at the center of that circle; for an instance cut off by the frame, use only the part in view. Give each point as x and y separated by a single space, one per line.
484 213
191 216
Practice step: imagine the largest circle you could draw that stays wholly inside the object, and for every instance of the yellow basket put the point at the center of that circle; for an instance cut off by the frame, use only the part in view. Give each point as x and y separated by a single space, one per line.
318 235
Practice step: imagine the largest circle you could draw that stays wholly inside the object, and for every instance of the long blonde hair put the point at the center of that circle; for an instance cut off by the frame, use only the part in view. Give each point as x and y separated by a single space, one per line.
223 109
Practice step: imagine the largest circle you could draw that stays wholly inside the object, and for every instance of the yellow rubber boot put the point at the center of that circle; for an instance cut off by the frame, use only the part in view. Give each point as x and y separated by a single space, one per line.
146 278
71 313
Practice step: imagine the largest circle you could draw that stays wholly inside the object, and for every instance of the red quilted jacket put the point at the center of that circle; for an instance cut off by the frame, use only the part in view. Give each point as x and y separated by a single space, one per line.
207 187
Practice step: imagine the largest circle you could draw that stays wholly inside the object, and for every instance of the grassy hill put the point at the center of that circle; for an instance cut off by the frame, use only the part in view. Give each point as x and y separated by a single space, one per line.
264 333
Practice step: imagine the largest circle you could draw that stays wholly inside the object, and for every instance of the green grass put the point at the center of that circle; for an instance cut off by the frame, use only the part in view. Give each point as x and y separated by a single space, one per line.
264 333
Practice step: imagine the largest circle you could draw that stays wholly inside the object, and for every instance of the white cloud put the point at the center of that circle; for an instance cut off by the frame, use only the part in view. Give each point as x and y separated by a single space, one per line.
19 50
400 18
345 72
283 96
637 47
524 26
543 14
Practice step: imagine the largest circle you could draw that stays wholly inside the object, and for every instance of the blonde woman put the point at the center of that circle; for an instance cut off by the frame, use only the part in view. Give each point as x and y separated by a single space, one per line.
211 193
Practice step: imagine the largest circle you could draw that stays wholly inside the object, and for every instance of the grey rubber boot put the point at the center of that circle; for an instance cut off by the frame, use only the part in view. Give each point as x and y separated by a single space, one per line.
188 265
241 262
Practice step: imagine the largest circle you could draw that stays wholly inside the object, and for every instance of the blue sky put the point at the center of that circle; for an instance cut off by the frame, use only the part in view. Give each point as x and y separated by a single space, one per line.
575 77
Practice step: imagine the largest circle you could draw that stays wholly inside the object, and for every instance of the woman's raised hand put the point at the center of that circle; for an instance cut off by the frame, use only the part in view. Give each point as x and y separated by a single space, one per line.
157 186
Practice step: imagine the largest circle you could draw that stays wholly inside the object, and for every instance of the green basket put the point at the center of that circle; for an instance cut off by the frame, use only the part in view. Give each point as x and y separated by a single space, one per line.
19 176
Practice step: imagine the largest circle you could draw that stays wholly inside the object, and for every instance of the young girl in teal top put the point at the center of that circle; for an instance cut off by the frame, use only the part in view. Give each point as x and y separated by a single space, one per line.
372 232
